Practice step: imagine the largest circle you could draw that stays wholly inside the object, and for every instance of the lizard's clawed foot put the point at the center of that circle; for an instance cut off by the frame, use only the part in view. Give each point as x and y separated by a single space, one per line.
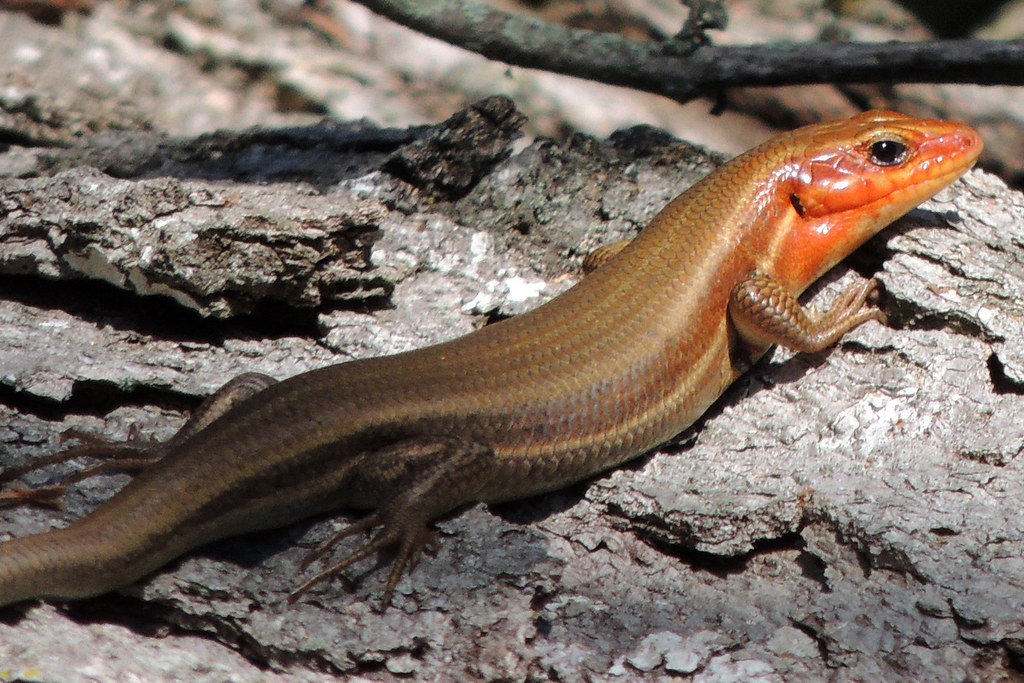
41 496
856 301
424 477
411 536
130 456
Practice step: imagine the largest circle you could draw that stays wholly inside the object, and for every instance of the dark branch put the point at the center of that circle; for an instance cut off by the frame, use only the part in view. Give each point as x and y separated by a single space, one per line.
527 41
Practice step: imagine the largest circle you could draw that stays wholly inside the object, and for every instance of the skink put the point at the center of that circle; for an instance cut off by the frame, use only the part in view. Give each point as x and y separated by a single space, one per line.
623 361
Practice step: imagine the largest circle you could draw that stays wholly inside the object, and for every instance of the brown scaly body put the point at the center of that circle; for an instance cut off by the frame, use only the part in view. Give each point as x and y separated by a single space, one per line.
626 359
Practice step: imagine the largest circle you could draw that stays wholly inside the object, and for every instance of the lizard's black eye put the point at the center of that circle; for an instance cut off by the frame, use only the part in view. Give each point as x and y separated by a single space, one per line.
888 152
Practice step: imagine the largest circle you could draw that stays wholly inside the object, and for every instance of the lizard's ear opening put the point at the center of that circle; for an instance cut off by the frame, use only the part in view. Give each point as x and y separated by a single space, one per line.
797 206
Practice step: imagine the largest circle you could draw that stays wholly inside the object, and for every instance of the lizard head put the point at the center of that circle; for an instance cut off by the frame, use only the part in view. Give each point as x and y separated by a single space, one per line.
847 180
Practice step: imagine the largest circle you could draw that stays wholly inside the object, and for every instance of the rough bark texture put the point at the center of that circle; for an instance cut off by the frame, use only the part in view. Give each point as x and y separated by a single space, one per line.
852 515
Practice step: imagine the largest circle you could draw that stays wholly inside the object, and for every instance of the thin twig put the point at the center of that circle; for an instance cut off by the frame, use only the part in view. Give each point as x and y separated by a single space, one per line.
528 41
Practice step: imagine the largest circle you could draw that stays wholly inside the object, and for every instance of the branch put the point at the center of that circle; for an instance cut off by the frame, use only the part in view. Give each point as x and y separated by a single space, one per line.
527 41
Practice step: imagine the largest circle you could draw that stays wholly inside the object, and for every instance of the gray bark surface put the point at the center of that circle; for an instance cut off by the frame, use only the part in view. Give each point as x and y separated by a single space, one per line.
853 514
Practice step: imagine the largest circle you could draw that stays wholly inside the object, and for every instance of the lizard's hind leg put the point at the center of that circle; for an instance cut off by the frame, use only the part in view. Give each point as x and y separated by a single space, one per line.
416 481
132 455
